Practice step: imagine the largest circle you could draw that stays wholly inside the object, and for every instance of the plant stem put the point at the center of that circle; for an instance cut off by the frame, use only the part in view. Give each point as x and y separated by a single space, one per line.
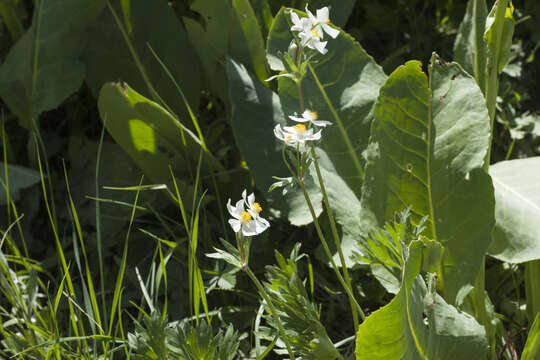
272 309
532 288
335 234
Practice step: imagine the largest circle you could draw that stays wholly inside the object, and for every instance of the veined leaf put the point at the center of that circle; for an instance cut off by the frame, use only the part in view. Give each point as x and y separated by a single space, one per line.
43 68
148 133
517 210
419 324
255 111
108 56
427 146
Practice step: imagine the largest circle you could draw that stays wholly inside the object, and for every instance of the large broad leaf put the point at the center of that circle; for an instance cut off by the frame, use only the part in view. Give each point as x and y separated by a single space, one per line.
43 68
255 111
19 178
153 23
427 146
517 210
419 324
341 86
148 133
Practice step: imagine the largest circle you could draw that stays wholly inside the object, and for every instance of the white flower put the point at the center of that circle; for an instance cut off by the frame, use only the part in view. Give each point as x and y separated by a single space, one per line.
248 221
321 21
310 116
298 134
309 36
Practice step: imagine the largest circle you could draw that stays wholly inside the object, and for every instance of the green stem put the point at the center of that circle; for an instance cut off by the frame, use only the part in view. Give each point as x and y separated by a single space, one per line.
335 234
272 309
12 21
532 288
339 123
327 251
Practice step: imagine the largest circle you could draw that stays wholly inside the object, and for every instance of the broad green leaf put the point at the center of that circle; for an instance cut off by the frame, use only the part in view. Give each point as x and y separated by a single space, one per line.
247 46
148 133
341 86
210 39
153 23
498 34
532 347
517 210
43 68
470 47
255 112
19 178
419 324
427 145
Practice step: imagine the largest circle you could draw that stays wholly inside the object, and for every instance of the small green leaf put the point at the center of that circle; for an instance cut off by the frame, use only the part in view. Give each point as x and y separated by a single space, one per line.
470 46
532 347
500 25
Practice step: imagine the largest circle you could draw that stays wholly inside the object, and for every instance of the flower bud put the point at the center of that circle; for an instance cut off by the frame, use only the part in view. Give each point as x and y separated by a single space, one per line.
293 48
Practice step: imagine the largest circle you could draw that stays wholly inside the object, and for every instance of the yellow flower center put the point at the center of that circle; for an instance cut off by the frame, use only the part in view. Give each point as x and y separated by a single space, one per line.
327 21
256 207
245 217
300 128
315 33
313 114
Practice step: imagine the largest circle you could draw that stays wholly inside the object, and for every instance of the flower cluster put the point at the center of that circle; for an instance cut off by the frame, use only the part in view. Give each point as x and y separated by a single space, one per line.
297 135
311 29
310 33
247 220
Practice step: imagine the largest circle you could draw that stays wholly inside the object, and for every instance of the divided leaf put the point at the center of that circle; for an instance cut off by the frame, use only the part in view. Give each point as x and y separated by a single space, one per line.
427 146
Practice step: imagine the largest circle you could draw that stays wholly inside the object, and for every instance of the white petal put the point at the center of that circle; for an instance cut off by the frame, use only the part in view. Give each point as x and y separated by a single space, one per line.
261 225
307 115
312 18
249 228
295 18
230 208
278 132
244 193
322 14
321 123
235 224
330 31
320 46
239 208
251 199
298 119
317 135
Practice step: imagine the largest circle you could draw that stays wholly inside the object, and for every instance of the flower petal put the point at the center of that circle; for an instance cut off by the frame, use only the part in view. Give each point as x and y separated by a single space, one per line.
323 14
321 123
330 30
249 228
298 119
235 224
320 46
